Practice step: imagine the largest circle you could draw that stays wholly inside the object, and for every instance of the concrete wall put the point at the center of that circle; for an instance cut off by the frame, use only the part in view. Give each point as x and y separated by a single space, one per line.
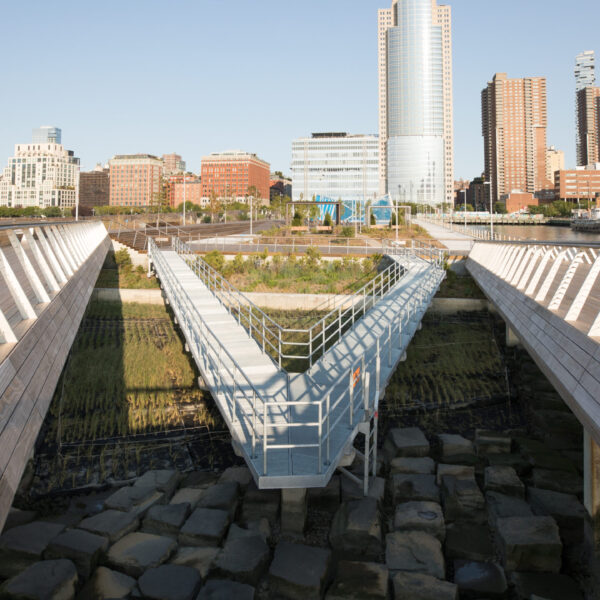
128 296
137 259
30 372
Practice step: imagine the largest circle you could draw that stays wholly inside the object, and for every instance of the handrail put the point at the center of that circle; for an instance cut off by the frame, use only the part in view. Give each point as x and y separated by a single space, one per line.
270 334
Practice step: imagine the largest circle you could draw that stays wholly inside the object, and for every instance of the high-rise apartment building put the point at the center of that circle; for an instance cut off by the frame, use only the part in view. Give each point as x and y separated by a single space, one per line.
415 101
555 161
41 175
335 165
232 173
514 134
47 134
135 180
588 126
94 188
172 164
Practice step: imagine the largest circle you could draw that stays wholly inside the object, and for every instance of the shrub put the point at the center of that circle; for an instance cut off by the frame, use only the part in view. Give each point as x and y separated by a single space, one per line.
215 259
347 231
122 258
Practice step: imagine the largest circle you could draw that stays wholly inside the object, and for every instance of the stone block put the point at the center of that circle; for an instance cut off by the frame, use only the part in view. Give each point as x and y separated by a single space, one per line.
17 517
199 479
453 445
408 441
520 464
219 589
45 580
416 552
106 584
462 500
204 527
201 559
356 530
550 586
170 582
243 559
82 547
459 471
261 528
501 505
166 519
299 572
134 498
491 442
359 581
420 516
479 579
137 552
327 498
164 480
469 541
558 481
113 524
189 496
552 461
239 475
293 510
408 488
353 491
412 466
24 545
260 503
418 586
503 480
529 544
222 496
567 511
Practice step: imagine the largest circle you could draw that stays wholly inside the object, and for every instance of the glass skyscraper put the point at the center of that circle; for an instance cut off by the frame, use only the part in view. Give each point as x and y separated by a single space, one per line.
415 105
584 70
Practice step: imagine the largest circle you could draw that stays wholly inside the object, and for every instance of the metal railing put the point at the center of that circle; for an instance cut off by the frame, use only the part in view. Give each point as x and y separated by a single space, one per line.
307 345
258 413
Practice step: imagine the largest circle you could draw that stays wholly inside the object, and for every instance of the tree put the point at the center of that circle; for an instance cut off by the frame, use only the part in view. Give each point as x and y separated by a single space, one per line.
215 205
393 218
314 211
500 208
327 220
372 220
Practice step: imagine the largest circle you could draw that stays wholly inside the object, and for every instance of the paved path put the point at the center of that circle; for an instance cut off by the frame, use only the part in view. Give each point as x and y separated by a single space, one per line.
453 240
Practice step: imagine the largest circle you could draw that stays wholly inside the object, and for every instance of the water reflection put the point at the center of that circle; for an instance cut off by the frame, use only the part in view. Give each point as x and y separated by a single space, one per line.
545 233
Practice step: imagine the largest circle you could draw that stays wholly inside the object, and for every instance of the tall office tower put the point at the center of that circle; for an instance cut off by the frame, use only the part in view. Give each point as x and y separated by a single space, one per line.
46 134
513 114
415 101
585 78
41 175
584 70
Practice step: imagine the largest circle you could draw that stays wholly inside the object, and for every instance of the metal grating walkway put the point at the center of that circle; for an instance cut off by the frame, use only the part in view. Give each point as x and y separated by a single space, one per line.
293 429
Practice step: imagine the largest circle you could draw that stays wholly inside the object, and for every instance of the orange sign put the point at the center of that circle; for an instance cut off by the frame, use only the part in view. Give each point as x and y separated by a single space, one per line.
356 377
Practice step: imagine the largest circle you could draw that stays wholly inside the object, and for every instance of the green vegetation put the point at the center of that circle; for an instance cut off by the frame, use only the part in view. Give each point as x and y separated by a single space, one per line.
33 211
126 400
307 274
454 368
457 286
118 272
557 209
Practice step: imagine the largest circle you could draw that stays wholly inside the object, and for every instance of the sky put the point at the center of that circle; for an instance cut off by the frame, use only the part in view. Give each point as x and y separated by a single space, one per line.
199 76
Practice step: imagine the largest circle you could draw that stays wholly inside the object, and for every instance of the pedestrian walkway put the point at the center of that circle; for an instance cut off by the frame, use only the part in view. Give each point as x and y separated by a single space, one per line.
453 240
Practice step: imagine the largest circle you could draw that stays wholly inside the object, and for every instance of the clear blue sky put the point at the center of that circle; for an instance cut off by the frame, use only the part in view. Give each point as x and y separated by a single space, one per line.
199 76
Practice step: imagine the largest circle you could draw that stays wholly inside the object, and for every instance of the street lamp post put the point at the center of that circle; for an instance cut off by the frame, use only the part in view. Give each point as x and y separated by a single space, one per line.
465 199
491 210
184 199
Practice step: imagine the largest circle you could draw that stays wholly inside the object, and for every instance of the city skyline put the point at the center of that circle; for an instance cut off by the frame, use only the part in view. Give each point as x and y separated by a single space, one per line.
111 97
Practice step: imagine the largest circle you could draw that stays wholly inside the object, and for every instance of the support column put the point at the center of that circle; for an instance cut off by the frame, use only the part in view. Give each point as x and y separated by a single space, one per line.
293 510
591 484
511 338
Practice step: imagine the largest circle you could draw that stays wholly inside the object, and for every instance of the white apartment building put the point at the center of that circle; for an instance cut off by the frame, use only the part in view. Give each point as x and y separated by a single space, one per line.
335 165
41 175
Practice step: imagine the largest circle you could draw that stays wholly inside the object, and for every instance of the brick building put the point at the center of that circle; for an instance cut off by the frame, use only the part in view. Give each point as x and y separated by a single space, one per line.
94 187
230 174
172 164
578 184
192 191
514 122
279 187
135 180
